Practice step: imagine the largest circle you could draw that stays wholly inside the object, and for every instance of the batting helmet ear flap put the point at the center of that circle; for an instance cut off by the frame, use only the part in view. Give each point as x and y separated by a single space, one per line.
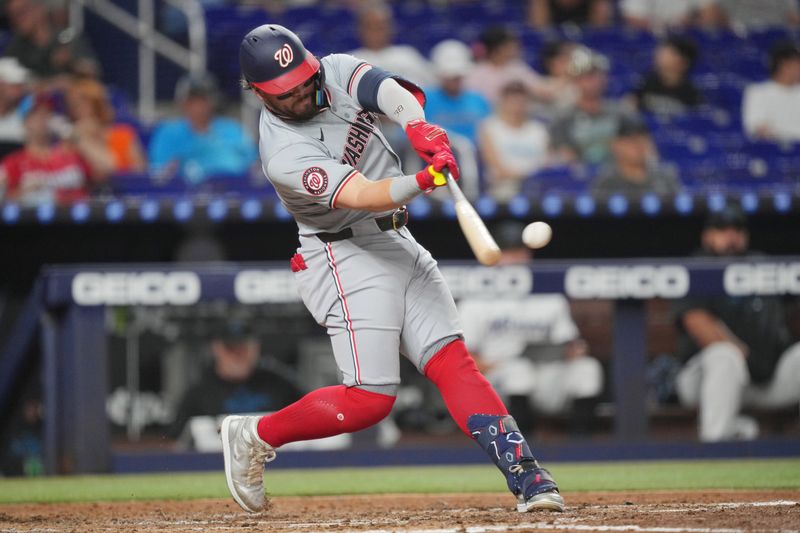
319 87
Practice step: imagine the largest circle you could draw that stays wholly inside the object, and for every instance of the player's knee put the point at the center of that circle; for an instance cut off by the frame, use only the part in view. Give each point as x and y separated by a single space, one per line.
453 359
585 377
721 351
367 407
724 357
792 358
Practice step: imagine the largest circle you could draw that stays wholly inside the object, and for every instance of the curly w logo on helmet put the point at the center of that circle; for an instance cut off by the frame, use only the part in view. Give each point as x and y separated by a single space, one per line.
284 55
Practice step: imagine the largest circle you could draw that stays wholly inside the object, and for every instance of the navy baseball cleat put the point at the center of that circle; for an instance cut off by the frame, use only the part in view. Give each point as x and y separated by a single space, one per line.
537 488
533 485
245 454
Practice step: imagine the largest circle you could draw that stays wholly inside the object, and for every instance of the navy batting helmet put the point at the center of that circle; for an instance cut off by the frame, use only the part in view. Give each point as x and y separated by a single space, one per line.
274 59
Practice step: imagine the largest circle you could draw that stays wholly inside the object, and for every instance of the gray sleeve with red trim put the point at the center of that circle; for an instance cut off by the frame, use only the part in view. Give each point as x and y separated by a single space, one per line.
361 80
306 171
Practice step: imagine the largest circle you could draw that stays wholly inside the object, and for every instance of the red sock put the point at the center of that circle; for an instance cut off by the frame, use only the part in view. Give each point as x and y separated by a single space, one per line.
323 413
464 389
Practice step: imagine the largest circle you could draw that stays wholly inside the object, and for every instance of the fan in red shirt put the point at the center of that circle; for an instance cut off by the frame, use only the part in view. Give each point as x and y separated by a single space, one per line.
43 170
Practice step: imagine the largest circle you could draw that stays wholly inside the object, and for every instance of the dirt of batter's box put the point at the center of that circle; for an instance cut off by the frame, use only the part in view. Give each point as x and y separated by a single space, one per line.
690 512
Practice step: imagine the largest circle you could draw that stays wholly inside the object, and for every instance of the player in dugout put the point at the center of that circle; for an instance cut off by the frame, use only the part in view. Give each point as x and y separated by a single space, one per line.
359 270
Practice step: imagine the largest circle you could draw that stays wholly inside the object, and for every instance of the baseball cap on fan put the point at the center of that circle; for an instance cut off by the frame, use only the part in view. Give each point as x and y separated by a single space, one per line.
33 102
196 85
232 331
11 71
451 59
631 126
728 217
584 60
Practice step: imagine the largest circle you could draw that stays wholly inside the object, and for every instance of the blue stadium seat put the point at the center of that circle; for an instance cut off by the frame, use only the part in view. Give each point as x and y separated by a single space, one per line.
558 178
5 37
143 185
726 141
771 150
707 146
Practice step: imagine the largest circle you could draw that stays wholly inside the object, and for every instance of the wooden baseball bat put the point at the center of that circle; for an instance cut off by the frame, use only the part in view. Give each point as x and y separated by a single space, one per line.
480 240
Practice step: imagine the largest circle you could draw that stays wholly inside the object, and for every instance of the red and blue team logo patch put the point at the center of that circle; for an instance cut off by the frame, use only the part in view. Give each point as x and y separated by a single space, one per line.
315 180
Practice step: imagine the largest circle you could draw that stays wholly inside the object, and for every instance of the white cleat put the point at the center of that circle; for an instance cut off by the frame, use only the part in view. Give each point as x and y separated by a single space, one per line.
245 454
549 501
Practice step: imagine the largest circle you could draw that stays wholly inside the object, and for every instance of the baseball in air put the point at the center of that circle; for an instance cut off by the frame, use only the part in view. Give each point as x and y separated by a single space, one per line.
537 234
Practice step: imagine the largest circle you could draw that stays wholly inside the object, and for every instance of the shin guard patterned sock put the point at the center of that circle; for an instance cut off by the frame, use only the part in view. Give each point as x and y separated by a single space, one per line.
500 437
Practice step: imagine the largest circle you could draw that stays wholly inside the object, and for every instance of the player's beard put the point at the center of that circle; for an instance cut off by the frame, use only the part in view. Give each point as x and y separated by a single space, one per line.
305 110
300 112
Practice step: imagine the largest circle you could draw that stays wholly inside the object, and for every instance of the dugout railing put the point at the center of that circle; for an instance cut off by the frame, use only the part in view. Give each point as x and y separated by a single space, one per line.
67 310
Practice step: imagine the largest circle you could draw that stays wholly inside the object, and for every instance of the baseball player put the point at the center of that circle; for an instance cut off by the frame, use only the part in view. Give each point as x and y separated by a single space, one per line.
358 268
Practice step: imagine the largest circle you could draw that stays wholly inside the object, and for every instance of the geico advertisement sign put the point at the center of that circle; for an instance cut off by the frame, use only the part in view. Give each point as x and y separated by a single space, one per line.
640 281
136 288
742 279
466 281
262 286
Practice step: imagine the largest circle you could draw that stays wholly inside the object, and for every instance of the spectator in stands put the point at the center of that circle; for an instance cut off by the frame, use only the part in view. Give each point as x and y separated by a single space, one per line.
236 381
14 80
529 347
737 350
546 13
658 16
555 58
747 14
501 64
43 171
511 144
771 109
109 148
200 144
635 169
42 47
456 109
376 31
584 134
667 89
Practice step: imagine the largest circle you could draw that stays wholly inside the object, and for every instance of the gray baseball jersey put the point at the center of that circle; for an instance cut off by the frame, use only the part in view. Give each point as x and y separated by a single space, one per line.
309 162
378 293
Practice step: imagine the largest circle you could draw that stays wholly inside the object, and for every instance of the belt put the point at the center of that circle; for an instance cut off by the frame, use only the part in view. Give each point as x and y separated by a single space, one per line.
395 221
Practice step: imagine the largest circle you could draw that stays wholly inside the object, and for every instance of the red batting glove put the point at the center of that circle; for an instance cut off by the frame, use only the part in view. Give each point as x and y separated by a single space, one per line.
432 176
427 139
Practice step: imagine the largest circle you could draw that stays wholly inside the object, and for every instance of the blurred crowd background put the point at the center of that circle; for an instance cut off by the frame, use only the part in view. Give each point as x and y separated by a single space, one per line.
604 96
664 100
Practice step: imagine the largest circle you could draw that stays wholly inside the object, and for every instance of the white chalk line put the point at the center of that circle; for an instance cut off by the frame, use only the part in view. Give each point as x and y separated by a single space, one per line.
574 527
560 523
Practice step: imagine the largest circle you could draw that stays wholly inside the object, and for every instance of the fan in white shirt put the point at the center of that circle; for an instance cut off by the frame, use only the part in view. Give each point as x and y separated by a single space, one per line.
512 146
376 31
771 109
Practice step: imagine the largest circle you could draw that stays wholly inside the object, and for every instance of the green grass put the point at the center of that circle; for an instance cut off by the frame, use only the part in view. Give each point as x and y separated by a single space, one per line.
657 475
